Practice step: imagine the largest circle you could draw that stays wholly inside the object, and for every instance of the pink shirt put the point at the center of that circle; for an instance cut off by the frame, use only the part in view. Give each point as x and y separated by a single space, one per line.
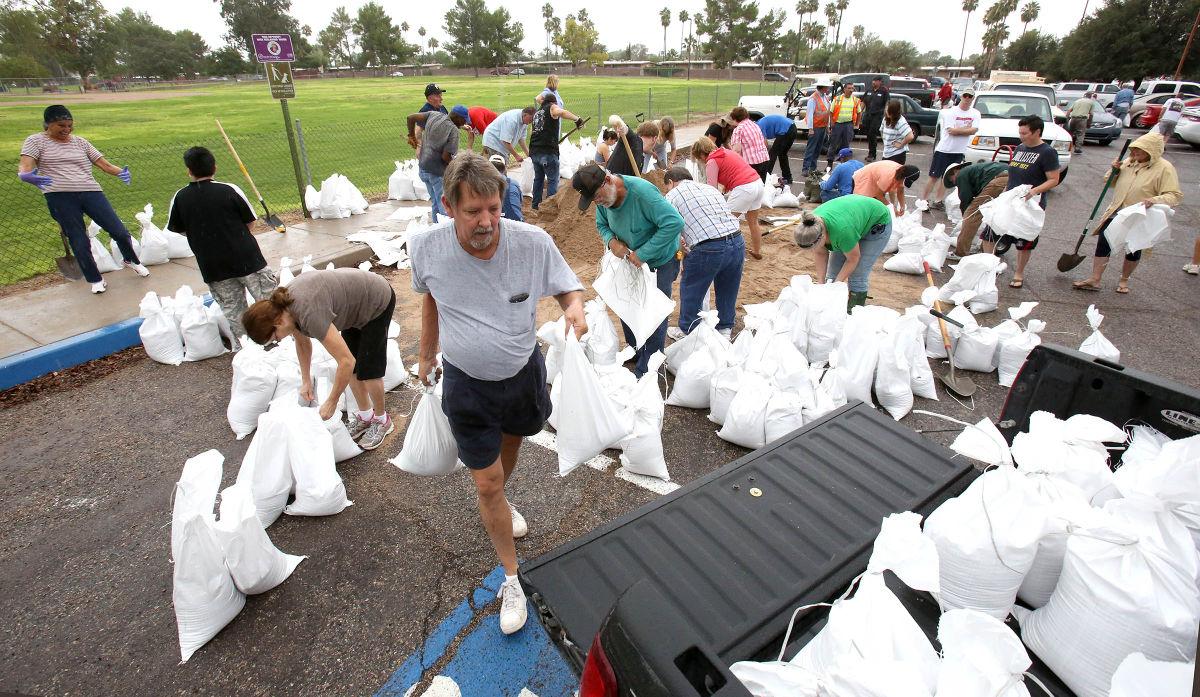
877 178
727 168
68 164
750 138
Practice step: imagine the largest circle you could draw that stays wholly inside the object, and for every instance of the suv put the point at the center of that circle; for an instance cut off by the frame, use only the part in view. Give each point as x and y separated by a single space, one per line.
790 103
1047 91
774 77
1068 92
916 87
1167 87
997 135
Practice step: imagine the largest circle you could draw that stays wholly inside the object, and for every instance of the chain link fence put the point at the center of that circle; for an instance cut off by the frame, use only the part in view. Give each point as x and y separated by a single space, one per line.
363 151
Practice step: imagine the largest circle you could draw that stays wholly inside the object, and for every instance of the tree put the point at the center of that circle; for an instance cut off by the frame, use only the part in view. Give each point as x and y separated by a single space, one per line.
831 15
502 37
1130 39
433 46
858 33
804 8
771 40
77 35
729 26
813 34
1033 50
226 61
968 6
683 20
841 6
550 25
664 18
466 24
337 39
1029 13
993 39
246 17
22 52
579 40
377 36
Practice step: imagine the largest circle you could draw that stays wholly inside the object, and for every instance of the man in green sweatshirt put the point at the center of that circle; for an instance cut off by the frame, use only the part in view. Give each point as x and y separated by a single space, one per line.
977 184
638 225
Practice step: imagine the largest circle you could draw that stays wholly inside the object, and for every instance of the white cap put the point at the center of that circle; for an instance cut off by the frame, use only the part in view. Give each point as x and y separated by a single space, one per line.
823 82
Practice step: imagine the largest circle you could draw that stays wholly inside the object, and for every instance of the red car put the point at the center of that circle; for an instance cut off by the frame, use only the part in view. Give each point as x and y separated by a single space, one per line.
1149 118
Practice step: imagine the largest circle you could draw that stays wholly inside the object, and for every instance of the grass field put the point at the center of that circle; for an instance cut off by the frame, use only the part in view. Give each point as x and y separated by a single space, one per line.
351 126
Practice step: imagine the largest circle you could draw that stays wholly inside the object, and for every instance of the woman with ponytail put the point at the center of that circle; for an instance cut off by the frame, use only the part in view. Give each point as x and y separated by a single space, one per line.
349 312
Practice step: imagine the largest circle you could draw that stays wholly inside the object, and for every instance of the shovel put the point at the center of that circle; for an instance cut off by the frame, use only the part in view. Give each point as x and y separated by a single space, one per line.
964 386
271 218
1069 261
574 130
67 265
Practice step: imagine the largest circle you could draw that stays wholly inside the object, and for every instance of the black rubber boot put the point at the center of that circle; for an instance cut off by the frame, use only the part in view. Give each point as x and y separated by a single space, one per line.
856 300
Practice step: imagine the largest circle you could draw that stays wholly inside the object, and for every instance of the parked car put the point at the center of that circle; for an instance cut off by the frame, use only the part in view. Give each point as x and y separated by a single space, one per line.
1188 129
775 77
936 82
790 103
922 121
1153 113
1167 87
998 131
1105 127
500 71
517 71
916 87
1048 91
1068 92
1141 103
397 74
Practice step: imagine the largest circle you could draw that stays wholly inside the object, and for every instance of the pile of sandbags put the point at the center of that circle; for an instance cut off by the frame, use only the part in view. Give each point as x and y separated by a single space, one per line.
337 198
153 247
405 183
181 328
916 245
974 283
217 562
571 156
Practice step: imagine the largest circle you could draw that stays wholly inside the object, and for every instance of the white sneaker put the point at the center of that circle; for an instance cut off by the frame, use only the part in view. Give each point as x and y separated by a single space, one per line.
520 527
675 333
100 287
1193 269
727 333
513 612
139 269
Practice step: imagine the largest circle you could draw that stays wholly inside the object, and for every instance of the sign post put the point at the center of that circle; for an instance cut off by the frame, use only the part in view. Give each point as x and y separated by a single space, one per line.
275 52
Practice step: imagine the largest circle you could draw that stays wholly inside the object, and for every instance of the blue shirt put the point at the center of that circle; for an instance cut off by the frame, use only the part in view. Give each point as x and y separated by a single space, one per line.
429 107
774 125
1124 96
507 128
511 208
841 179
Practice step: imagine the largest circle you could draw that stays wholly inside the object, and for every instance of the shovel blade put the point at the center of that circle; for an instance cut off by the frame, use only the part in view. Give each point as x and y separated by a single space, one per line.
961 386
1069 261
69 268
275 222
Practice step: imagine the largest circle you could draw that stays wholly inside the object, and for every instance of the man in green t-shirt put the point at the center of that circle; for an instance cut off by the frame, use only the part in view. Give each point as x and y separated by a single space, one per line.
855 229
977 184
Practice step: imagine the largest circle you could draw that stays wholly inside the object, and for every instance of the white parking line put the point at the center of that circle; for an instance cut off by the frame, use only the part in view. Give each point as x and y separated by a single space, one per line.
602 463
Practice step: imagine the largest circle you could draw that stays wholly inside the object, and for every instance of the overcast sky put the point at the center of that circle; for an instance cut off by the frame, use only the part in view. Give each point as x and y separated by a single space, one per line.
931 25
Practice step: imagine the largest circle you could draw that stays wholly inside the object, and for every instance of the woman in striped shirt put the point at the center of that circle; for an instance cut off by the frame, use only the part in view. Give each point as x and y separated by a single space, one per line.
59 164
747 140
896 134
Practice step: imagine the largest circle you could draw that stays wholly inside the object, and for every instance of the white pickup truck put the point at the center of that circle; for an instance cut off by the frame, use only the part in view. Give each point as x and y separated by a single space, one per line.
1001 113
790 104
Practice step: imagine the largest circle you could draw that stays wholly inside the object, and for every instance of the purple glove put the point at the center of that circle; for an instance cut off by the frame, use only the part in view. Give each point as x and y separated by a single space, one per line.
125 176
38 180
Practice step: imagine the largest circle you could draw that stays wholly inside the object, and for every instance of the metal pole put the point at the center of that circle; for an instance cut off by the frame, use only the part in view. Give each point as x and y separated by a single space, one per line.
303 152
650 103
1187 48
287 124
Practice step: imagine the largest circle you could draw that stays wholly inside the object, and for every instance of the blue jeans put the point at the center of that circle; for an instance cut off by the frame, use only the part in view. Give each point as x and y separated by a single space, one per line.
545 169
666 277
812 151
433 182
716 262
869 249
830 195
68 208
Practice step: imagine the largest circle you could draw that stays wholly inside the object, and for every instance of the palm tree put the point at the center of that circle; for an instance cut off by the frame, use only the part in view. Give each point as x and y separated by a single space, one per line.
804 8
993 39
813 33
683 20
664 15
830 15
858 34
1029 13
968 6
433 44
548 23
841 8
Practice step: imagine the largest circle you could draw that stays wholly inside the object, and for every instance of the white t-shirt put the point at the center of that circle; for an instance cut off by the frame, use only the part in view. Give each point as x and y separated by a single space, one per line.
1172 110
956 117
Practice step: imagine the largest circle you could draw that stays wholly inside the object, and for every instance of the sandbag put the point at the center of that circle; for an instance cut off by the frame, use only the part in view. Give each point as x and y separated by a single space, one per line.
982 441
319 488
826 317
203 592
115 250
906 262
339 198
201 333
693 381
159 334
786 199
745 422
981 657
344 446
395 373
265 469
723 388
642 450
254 381
1097 344
971 273
1170 476
525 177
105 262
858 352
1012 214
588 420
953 206
1138 676
553 334
937 247
777 678
910 333
254 562
600 344
893 372
400 185
177 245
784 414
195 493
429 448
285 271
153 248
1067 508
1014 351
976 349
1137 227
632 293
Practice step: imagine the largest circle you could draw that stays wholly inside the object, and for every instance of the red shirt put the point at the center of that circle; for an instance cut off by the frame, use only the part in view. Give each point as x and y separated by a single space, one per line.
727 168
946 92
480 117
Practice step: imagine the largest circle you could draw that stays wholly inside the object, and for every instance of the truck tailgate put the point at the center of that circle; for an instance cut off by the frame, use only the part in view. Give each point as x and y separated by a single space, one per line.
733 553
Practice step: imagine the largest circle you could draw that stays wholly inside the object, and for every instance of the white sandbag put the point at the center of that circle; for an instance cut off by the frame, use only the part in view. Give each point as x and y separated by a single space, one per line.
285 271
115 250
1145 444
319 488
400 185
553 334
1137 227
983 442
893 372
588 420
105 262
858 352
1073 449
826 317
910 333
976 350
784 414
429 448
831 384
1128 585
177 245
203 592
159 334
201 333
987 538
906 262
265 468
312 201
153 244
1096 343
217 316
395 373
968 273
703 335
777 678
525 177
937 247
693 381
1138 676
254 562
953 206
935 346
1172 477
287 382
632 293
254 381
786 199
642 450
981 657
344 446
1014 351
1012 214
600 344
723 388
745 422
195 493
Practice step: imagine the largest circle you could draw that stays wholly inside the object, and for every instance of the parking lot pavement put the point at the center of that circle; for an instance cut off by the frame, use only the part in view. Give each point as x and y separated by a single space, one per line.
85 573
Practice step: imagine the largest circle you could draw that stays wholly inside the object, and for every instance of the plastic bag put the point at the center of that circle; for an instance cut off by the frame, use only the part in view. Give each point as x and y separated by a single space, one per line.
1012 214
429 448
1137 227
400 185
953 206
201 333
937 247
600 344
254 562
344 446
105 262
394 373
553 334
254 381
826 317
745 422
1171 477
777 678
159 333
632 293
910 333
588 420
1097 344
153 244
970 274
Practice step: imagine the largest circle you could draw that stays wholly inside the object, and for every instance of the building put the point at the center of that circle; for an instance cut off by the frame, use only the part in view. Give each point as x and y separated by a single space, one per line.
948 72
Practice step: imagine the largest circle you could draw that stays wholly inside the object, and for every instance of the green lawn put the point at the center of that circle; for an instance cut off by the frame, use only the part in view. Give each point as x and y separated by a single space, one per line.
351 126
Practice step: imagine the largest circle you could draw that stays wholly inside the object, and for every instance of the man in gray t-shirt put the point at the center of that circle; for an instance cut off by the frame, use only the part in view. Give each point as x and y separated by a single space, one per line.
482 277
439 143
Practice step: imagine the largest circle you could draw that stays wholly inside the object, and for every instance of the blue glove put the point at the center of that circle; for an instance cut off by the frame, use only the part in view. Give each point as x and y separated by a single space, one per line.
38 180
124 175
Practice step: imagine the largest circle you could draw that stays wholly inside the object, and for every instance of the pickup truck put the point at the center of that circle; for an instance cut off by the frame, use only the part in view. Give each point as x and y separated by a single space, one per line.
661 601
998 133
789 104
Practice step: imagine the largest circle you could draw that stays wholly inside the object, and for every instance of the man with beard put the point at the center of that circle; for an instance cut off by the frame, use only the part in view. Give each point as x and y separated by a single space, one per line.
481 277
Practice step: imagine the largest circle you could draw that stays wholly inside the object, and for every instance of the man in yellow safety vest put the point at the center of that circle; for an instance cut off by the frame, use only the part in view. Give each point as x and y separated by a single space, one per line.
845 115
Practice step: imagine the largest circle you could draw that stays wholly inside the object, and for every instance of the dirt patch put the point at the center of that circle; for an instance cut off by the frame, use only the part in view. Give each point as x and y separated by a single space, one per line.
77 98
71 378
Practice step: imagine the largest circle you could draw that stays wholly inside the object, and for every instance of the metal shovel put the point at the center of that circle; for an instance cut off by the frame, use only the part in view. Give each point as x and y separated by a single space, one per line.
67 265
964 386
1069 261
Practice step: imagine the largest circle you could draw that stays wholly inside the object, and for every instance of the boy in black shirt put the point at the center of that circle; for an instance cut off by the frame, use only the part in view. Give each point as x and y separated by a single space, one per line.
216 219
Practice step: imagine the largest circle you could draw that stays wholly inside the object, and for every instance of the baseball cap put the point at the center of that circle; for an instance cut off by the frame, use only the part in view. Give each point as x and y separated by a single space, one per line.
911 174
845 154
497 160
587 181
433 88
969 92
460 110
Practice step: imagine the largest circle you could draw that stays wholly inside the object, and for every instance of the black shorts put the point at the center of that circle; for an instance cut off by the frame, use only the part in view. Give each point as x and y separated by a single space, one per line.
480 411
368 343
763 168
1003 242
942 160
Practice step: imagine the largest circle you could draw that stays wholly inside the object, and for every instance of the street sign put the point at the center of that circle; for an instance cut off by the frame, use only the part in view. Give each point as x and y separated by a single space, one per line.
279 76
273 48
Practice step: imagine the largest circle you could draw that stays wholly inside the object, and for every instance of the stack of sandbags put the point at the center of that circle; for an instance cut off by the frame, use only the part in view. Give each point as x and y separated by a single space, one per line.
337 198
400 184
916 245
975 273
694 360
160 334
571 157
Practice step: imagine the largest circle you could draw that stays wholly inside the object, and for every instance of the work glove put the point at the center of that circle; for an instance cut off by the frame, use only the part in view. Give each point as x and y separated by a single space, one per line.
125 176
578 123
38 180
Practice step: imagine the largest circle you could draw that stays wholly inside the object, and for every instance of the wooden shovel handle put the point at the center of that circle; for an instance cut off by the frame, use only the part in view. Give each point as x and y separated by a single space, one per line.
937 305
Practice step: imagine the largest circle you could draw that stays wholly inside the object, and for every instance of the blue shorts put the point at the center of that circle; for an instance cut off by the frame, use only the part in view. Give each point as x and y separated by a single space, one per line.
480 411
942 160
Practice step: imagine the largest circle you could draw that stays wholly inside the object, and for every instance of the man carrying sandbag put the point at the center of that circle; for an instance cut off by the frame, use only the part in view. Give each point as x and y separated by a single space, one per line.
639 226
977 184
481 278
216 218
